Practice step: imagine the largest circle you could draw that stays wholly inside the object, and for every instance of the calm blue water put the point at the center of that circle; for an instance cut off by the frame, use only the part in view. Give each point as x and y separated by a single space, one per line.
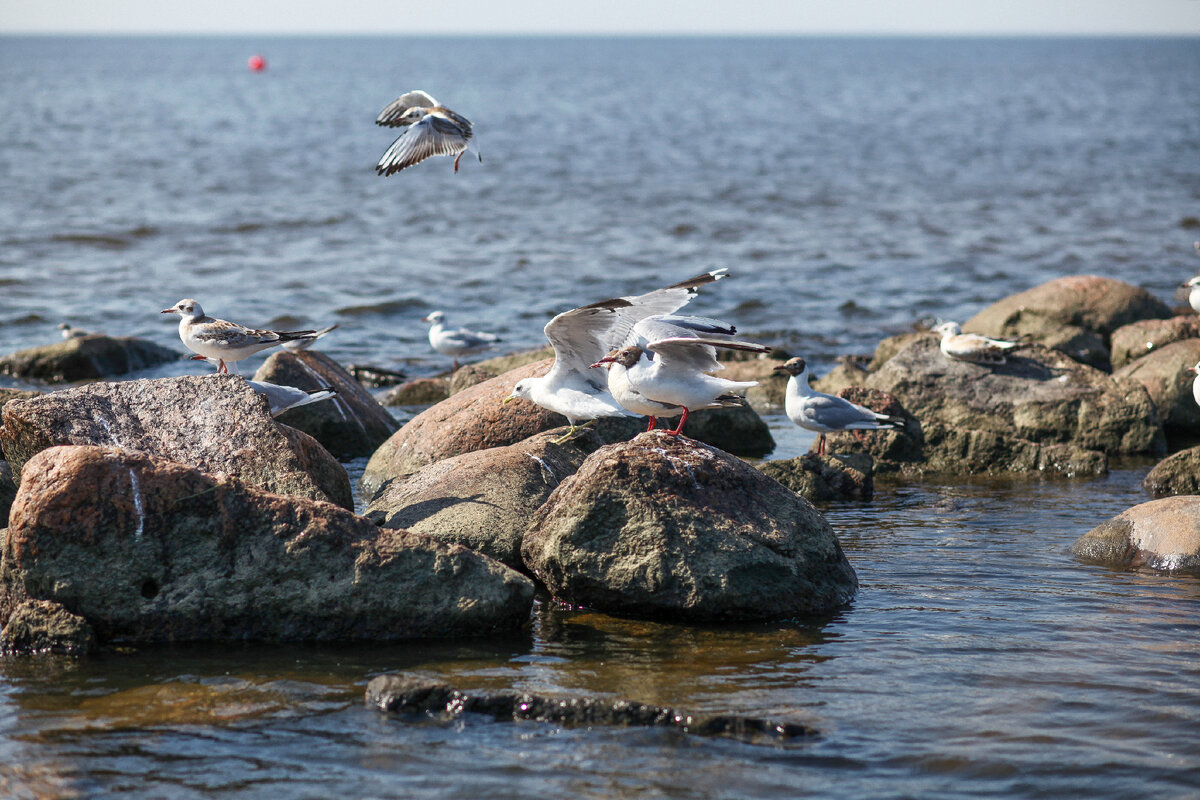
851 186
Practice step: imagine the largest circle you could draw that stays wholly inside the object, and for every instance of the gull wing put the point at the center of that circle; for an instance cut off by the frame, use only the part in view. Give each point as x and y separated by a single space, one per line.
431 136
393 115
837 412
582 336
696 353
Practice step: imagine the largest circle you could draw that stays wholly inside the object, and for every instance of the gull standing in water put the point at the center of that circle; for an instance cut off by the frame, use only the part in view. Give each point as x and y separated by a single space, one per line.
431 130
669 377
579 389
227 342
456 342
825 413
971 347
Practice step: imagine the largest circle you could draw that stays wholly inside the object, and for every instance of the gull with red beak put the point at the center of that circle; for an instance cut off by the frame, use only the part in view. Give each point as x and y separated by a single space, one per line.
669 377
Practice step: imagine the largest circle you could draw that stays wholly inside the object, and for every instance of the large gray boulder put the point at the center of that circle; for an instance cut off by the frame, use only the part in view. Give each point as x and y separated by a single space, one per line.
149 550
84 358
482 499
215 423
1164 374
667 527
350 425
1040 396
1161 534
1075 315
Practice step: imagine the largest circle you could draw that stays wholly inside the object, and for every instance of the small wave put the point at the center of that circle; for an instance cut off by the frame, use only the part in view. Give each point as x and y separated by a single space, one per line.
95 239
386 307
280 224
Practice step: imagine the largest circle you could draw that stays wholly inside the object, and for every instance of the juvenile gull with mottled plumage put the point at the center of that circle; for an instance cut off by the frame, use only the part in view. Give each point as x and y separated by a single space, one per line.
227 342
431 130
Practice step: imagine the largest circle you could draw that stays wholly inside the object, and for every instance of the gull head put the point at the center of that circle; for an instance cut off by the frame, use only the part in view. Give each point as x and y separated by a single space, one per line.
185 308
626 357
793 366
945 329
1194 370
434 317
1193 281
522 389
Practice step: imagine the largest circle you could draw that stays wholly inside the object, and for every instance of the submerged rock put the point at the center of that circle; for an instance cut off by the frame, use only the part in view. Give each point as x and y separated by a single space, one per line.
829 477
415 694
150 550
1164 374
215 423
36 627
483 499
1131 342
666 527
349 425
85 358
1075 315
1161 534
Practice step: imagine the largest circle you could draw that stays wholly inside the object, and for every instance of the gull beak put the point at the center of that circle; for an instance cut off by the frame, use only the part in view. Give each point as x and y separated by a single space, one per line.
780 368
167 311
426 319
507 400
601 363
1194 370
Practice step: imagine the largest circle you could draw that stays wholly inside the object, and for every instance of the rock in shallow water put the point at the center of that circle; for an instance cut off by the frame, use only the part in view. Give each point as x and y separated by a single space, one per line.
1161 534
829 477
86 358
666 527
1178 473
215 423
36 627
150 550
1164 374
414 694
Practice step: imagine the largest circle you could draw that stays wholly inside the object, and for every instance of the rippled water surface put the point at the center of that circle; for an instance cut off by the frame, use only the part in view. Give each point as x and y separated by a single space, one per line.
851 186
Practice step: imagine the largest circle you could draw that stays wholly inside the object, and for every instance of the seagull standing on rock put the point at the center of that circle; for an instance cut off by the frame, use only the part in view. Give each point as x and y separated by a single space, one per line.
669 377
825 413
971 347
226 342
431 130
576 385
456 342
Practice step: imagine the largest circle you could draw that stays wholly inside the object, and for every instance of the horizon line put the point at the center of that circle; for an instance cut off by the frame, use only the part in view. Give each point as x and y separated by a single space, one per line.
832 34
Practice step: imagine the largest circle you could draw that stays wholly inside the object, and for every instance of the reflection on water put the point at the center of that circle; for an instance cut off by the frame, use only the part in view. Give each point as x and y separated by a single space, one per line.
977 658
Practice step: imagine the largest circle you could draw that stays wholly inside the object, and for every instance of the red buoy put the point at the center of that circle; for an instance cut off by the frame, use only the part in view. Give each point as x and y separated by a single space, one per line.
257 63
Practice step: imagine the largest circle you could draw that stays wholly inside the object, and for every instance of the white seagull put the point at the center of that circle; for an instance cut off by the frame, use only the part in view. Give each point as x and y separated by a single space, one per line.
304 344
281 398
1193 286
69 331
456 342
825 413
973 347
432 130
669 377
227 342
1195 383
578 389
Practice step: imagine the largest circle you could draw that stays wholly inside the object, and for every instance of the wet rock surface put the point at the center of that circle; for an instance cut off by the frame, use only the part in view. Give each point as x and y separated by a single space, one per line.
1137 339
666 527
483 499
36 627
1178 473
1161 535
1164 374
215 423
149 550
416 694
822 478
1075 315
91 357
8 491
349 425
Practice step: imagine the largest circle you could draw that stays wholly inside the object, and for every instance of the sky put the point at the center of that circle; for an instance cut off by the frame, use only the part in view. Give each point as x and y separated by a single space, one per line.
861 17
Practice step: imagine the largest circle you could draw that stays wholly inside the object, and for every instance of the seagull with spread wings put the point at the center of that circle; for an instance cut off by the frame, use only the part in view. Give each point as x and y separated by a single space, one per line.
431 129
